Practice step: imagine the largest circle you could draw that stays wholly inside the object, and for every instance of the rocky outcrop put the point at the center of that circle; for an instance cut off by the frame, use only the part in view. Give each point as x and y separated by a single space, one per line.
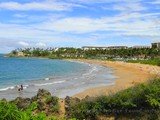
69 101
41 105
43 101
43 93
22 103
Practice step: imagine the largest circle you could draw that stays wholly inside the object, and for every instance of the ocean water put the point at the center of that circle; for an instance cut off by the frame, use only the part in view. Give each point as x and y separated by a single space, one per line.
60 77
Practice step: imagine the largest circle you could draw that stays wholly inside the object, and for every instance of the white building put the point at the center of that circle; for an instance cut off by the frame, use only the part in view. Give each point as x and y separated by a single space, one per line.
156 45
141 47
103 48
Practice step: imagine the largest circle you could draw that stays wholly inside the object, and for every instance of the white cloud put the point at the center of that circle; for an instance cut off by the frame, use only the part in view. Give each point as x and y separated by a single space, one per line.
53 29
43 30
77 25
40 44
40 6
20 15
23 44
101 1
136 23
156 2
129 7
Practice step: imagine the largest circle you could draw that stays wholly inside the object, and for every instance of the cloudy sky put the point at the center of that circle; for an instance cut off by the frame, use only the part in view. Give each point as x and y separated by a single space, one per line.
57 23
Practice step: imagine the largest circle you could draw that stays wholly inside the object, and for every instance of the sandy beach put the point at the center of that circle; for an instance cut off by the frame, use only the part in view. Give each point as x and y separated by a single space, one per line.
128 74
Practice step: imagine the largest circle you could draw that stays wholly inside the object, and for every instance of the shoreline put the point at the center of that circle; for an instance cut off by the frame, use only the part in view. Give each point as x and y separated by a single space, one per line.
128 75
89 77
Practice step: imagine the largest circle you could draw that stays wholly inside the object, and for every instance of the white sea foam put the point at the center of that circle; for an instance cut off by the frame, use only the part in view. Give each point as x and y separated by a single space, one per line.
7 88
47 79
14 87
44 84
79 62
91 71
25 86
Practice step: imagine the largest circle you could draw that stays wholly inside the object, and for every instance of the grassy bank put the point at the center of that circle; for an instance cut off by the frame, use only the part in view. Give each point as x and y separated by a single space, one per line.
155 61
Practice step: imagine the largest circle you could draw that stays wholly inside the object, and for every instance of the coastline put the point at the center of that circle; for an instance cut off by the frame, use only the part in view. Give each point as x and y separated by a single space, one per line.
128 75
89 76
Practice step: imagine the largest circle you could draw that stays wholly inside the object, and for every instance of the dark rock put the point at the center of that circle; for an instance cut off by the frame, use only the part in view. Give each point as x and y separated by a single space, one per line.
67 99
22 103
87 97
77 100
43 93
33 99
52 100
69 102
41 105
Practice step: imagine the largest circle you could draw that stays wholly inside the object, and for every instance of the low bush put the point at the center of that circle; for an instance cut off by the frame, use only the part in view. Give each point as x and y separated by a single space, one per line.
9 111
52 101
141 100
37 108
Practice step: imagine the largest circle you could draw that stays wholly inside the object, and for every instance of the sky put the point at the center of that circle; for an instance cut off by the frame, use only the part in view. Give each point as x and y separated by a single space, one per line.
76 23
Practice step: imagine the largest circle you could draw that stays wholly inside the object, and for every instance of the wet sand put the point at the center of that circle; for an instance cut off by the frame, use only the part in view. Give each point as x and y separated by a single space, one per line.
128 74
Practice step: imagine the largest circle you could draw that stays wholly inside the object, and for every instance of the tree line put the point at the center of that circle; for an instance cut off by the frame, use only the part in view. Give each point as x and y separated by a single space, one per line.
140 53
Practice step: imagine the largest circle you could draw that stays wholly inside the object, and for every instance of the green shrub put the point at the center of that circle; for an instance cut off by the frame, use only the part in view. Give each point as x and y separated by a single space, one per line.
53 103
141 100
9 111
33 106
153 94
84 110
40 116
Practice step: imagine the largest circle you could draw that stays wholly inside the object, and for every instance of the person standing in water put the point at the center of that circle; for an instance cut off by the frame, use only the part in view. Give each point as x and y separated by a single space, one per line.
21 88
20 91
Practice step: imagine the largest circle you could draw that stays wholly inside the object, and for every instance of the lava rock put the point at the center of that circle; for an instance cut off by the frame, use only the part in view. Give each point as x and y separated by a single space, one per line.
22 103
43 93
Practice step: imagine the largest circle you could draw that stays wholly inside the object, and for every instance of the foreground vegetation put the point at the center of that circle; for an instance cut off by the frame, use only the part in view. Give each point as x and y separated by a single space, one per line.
139 102
43 106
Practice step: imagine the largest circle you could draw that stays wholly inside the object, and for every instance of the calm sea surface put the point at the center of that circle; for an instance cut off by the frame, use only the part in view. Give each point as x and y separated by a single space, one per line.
60 77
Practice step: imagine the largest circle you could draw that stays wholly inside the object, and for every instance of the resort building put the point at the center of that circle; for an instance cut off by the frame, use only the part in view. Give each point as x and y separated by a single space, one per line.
156 45
117 47
138 47
103 48
93 48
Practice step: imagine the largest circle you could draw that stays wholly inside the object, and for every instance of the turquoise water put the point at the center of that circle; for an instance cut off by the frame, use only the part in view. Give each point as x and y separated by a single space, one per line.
60 77
16 71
